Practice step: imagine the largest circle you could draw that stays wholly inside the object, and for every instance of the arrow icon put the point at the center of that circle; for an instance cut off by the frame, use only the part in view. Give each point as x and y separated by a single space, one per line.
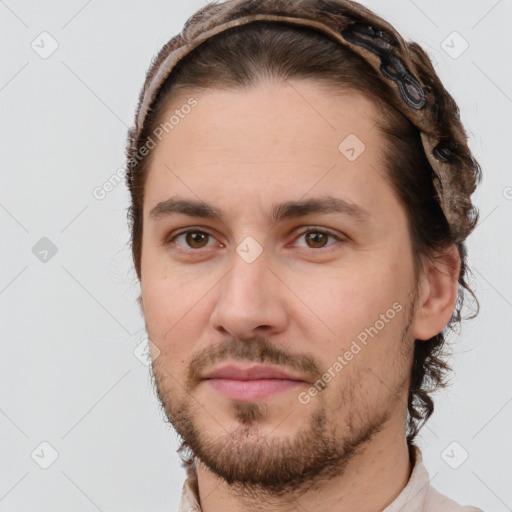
454 455
44 45
351 147
44 455
44 250
249 249
454 45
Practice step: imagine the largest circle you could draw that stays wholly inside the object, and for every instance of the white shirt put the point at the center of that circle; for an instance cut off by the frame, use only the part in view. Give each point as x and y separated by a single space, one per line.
417 496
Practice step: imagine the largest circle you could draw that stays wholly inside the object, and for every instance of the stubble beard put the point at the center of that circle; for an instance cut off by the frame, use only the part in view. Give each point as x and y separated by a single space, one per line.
261 467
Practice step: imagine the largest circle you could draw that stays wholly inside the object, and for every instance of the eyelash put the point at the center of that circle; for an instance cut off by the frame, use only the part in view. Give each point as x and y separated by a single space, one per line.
311 229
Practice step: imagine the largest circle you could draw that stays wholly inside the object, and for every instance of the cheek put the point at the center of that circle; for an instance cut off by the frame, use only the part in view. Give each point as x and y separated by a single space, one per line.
351 297
161 296
160 299
174 312
364 311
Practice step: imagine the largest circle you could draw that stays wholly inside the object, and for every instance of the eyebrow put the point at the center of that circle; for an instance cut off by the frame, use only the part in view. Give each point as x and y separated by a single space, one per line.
279 212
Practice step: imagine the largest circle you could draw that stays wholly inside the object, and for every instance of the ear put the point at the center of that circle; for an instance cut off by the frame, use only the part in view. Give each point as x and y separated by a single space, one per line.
437 294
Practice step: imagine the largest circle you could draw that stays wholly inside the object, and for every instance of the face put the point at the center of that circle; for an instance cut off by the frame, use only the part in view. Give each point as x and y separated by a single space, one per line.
273 239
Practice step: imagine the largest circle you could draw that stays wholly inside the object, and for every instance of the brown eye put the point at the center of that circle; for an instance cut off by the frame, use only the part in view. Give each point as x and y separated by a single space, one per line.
317 239
196 239
191 239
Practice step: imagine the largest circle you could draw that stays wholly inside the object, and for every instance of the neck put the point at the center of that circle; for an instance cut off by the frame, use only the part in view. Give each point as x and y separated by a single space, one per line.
372 480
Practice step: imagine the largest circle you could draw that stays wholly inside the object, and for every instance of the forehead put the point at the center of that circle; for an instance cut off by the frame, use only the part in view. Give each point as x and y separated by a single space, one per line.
295 111
273 140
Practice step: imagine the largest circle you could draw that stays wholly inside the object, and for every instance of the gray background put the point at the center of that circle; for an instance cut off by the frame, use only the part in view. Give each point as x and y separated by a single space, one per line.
69 320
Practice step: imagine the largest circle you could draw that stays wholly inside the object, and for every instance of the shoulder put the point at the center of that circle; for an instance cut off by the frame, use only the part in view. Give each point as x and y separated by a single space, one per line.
438 502
426 497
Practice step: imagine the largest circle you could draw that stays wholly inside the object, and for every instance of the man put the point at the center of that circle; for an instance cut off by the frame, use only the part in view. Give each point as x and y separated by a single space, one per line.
295 282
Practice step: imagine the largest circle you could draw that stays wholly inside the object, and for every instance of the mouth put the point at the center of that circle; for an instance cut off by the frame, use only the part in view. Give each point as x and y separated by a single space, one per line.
252 383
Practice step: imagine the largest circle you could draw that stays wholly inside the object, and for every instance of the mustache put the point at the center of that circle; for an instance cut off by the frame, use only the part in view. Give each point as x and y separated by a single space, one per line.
256 349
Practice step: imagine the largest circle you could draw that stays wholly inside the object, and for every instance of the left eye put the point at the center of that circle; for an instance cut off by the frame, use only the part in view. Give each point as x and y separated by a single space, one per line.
318 238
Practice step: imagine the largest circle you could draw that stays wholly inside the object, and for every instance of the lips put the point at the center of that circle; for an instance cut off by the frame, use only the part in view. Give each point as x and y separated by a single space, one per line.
250 384
257 372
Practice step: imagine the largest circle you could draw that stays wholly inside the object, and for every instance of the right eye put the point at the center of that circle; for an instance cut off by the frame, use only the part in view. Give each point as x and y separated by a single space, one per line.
193 239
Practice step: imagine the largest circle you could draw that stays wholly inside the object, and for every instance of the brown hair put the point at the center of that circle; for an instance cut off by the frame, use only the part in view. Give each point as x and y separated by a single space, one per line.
241 57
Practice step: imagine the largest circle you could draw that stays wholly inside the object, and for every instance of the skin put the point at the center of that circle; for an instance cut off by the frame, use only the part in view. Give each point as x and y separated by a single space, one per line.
304 300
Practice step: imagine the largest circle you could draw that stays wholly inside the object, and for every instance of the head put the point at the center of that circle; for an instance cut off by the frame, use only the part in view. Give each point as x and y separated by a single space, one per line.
355 303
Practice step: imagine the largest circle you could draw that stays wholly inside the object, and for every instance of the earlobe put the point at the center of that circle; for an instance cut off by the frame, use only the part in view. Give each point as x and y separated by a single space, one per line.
437 294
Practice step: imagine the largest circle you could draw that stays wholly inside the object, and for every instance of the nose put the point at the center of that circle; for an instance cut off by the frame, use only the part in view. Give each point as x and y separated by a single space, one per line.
251 300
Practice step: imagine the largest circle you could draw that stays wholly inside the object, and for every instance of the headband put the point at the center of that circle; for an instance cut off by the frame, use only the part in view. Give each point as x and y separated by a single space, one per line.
382 48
